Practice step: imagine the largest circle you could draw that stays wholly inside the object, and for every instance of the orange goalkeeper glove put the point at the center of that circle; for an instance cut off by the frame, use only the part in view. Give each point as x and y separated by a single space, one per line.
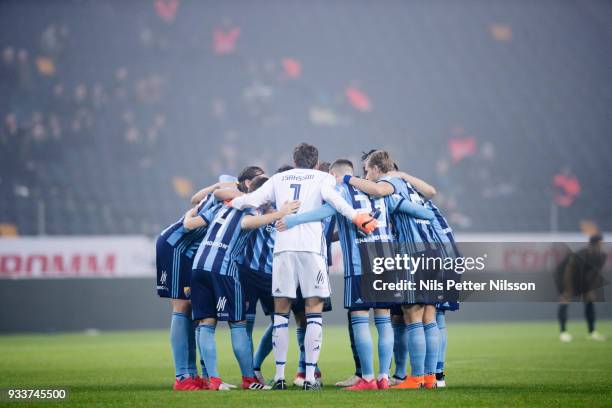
365 222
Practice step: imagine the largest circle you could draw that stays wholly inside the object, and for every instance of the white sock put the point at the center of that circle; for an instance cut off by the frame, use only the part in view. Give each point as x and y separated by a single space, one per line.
312 343
280 343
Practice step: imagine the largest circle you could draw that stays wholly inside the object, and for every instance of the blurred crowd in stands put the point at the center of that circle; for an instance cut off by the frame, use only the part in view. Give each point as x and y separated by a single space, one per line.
113 113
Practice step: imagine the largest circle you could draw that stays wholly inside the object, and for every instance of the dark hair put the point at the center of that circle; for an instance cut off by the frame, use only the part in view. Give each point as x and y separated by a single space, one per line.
257 182
248 173
382 160
284 167
324 167
305 156
365 155
596 238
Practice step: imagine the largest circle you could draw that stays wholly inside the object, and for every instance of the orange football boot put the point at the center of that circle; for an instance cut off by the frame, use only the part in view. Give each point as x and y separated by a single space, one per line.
430 381
410 383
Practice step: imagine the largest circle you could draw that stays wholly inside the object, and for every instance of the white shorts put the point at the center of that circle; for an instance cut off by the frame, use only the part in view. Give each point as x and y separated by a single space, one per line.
306 270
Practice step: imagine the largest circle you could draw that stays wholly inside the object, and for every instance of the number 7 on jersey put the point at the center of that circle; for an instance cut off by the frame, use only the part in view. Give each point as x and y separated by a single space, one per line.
296 190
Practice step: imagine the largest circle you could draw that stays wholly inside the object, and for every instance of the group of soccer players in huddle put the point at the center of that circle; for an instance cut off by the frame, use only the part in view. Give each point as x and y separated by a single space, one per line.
265 239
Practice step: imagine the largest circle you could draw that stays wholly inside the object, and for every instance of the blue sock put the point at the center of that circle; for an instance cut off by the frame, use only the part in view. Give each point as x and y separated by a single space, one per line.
441 320
400 349
250 323
180 331
192 365
208 348
265 348
385 343
202 364
204 372
363 344
432 342
300 333
353 348
242 349
416 348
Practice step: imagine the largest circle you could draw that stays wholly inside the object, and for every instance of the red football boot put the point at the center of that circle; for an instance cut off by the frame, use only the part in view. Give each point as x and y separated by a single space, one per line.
215 384
202 382
363 385
383 383
186 384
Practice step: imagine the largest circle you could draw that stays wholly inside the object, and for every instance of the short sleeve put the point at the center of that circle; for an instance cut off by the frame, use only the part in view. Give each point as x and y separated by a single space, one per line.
208 215
389 180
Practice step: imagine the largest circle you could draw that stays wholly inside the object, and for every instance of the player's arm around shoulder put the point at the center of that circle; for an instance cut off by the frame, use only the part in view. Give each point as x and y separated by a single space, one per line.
200 195
290 221
421 186
410 208
227 194
256 221
376 189
193 220
263 195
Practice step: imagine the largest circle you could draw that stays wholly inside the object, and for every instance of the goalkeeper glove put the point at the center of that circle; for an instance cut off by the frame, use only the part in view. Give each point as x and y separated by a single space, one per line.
365 222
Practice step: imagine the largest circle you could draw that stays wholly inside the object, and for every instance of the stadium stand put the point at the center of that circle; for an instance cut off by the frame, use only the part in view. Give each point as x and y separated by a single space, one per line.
112 112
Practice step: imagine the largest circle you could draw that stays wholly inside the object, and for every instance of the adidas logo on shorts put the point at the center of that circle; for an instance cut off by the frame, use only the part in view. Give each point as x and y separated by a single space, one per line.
320 280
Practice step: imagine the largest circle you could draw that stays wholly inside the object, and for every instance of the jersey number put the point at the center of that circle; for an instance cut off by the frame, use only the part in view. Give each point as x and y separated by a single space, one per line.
296 190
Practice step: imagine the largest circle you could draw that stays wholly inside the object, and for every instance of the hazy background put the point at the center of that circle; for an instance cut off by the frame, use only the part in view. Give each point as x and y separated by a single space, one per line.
113 113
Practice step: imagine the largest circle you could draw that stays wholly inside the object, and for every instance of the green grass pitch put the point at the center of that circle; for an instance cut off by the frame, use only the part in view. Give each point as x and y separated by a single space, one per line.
507 364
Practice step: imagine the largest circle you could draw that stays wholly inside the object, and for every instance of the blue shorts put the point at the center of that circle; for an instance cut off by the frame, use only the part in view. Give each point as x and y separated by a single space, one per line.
353 297
396 309
257 287
216 296
451 306
173 271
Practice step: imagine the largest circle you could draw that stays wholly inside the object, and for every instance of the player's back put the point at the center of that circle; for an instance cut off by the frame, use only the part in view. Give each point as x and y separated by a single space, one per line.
185 240
259 248
303 185
224 235
354 244
413 232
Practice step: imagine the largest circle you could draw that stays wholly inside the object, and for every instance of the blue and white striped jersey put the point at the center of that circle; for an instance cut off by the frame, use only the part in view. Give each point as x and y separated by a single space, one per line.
415 234
187 241
351 241
443 231
259 251
224 241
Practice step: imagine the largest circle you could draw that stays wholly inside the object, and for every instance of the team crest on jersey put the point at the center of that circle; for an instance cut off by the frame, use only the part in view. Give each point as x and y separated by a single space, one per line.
162 278
187 291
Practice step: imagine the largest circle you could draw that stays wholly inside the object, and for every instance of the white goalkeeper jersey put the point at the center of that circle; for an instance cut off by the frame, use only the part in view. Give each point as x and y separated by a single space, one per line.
311 188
